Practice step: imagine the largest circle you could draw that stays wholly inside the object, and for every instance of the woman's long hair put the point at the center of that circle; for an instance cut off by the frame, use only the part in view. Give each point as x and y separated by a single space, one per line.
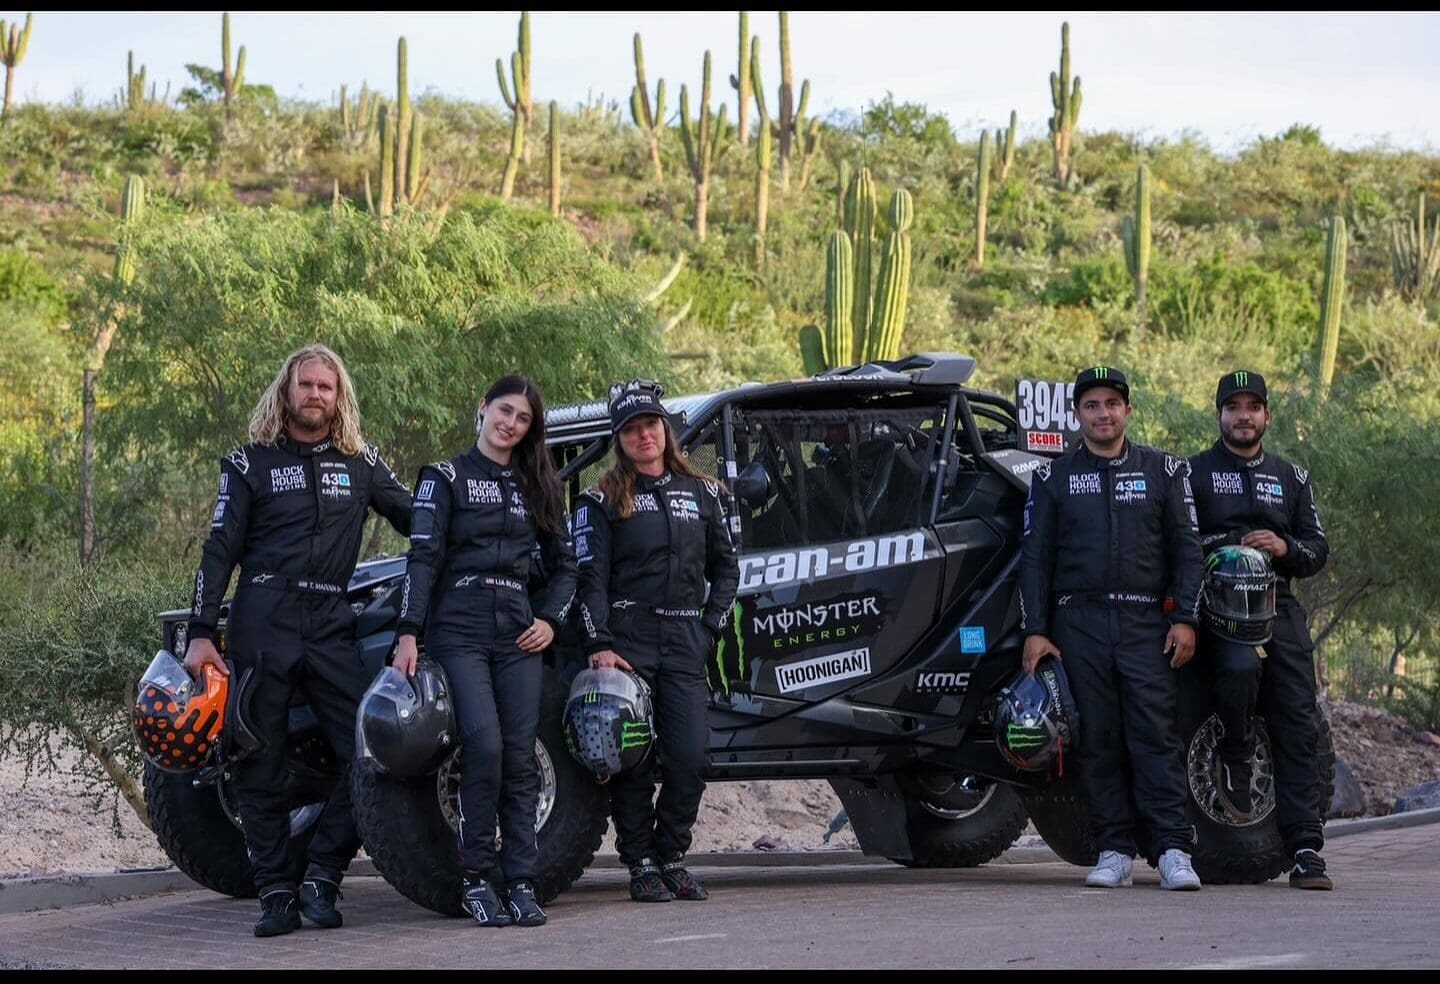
618 482
267 423
531 459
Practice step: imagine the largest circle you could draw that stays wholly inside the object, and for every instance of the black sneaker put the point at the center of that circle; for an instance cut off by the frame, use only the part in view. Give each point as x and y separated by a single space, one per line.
1234 788
524 906
646 884
317 902
1309 871
681 883
279 913
484 905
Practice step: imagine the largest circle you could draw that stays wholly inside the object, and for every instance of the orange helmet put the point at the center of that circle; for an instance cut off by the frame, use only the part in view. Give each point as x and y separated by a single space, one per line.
175 723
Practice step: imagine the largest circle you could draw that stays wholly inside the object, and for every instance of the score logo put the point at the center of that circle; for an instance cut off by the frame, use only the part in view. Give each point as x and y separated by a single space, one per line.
1044 441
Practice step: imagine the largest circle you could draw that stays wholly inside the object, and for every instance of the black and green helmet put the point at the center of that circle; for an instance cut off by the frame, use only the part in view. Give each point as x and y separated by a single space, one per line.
609 725
1238 597
1036 721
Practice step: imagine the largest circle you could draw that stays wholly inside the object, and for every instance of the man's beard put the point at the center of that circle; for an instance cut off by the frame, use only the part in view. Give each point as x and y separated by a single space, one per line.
1244 443
312 417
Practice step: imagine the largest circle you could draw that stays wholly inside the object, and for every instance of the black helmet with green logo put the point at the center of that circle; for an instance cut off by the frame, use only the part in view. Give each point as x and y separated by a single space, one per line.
1036 721
609 726
1238 600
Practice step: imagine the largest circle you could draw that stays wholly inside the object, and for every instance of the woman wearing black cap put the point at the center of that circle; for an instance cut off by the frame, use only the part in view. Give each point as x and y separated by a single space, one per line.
476 519
651 539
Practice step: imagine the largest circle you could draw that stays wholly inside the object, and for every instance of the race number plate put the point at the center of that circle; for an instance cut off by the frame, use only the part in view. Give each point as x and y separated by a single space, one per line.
1047 415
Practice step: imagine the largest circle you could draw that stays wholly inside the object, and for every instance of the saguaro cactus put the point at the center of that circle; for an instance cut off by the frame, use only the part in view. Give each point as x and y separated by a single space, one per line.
1332 295
520 104
554 160
402 120
650 120
136 98
857 329
357 121
1135 231
839 300
860 208
893 291
1066 99
1415 261
132 206
789 124
1005 146
13 45
764 152
231 82
982 197
387 163
740 81
700 142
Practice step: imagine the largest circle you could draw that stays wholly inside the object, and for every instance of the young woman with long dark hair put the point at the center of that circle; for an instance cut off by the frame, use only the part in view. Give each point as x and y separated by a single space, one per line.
476 519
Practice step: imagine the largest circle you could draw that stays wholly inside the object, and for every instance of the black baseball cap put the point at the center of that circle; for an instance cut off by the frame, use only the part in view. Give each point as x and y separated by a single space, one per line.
634 398
1101 376
1240 381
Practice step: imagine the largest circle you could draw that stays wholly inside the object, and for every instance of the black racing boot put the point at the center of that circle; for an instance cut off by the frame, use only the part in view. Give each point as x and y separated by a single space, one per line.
524 906
482 902
681 883
278 913
646 884
1234 788
317 899
1309 871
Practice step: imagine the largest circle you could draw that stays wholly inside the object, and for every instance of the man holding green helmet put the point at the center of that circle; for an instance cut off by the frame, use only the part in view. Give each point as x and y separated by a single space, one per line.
1248 500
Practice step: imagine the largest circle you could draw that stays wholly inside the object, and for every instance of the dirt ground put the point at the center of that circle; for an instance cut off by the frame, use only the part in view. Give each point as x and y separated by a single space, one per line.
47 825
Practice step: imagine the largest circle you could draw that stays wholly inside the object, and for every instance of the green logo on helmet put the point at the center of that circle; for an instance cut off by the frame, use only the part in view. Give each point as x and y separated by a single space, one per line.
592 696
1025 736
634 734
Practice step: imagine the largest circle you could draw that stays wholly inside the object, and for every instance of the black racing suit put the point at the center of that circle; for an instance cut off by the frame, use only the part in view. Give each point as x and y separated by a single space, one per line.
1110 547
465 595
643 594
1235 496
292 515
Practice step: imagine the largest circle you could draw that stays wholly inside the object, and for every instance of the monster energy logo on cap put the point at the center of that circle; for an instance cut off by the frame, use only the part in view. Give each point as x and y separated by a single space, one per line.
1242 379
634 734
1101 372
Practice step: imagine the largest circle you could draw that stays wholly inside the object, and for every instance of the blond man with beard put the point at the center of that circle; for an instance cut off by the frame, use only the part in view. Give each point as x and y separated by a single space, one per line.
291 511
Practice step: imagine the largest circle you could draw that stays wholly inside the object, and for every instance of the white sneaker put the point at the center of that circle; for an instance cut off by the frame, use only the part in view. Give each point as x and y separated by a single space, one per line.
1113 870
1176 874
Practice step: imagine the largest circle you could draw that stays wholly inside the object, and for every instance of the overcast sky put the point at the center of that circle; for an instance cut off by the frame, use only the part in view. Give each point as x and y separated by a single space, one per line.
1363 78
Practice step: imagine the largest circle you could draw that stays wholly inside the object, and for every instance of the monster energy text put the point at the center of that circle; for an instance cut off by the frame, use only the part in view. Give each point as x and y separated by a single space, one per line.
817 623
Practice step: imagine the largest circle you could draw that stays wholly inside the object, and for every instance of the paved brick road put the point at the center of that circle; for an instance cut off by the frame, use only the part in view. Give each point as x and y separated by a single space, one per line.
1383 914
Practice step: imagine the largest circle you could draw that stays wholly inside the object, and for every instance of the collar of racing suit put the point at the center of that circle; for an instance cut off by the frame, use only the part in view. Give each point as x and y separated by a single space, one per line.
301 448
647 482
1240 462
487 464
1114 462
